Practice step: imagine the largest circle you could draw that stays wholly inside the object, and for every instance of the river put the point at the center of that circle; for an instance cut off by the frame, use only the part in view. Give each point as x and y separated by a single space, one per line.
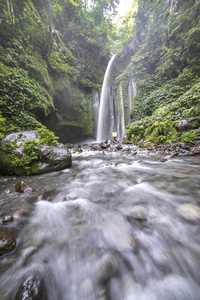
109 228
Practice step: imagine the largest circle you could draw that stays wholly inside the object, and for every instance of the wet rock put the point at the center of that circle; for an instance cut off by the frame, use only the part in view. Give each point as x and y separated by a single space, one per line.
182 125
189 211
105 145
119 147
34 199
7 219
184 153
138 212
164 159
127 142
22 187
105 269
20 214
195 149
7 191
173 154
69 145
48 196
95 147
117 234
7 241
33 288
49 158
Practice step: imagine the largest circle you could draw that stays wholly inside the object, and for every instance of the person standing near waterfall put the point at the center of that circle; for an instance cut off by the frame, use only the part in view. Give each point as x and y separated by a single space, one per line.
114 135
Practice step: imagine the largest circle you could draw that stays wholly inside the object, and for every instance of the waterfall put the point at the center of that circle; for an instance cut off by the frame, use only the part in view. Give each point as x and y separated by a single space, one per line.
121 117
103 120
113 114
131 94
95 110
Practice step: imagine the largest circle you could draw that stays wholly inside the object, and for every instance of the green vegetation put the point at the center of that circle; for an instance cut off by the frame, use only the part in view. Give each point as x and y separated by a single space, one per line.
47 137
189 136
2 126
50 52
31 149
159 48
161 127
53 55
20 99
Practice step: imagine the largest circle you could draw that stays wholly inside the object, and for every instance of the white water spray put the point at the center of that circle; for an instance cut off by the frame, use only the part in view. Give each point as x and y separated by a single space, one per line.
101 128
131 94
121 117
95 110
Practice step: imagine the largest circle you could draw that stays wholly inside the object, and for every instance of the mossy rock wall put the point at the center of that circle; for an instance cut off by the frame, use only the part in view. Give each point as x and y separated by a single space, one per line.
50 64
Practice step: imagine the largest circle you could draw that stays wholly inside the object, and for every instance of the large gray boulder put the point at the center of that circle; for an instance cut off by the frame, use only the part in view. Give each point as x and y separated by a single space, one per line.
189 123
24 153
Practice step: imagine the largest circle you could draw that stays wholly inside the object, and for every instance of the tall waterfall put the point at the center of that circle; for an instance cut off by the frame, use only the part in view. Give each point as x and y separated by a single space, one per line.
131 94
103 130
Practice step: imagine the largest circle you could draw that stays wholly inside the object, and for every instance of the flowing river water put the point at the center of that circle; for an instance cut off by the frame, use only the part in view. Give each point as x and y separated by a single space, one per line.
109 228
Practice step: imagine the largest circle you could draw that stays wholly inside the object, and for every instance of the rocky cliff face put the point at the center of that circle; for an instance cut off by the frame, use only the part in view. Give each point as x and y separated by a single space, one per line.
51 60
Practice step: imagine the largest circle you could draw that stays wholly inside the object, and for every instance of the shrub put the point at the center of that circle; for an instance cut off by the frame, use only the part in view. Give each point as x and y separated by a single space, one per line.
161 126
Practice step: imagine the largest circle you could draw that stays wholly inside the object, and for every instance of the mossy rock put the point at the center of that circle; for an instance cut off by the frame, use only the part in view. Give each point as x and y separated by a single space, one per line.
29 153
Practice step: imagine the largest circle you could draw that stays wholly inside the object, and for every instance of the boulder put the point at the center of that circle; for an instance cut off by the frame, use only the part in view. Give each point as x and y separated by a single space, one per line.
7 219
189 123
7 241
182 125
22 187
43 158
32 288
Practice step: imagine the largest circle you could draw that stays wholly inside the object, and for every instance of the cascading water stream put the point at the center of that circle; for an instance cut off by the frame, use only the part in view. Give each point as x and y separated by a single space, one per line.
131 94
121 124
95 109
102 131
119 225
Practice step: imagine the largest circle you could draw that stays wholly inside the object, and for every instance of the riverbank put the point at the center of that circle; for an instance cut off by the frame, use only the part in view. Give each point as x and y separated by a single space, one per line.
165 150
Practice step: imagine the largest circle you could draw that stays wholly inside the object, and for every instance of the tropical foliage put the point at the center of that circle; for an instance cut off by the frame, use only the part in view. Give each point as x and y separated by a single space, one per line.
161 127
161 51
53 55
50 52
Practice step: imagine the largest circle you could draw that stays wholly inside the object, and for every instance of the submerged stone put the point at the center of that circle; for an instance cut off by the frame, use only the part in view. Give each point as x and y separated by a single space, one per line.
189 212
7 241
137 212
32 288
117 235
105 269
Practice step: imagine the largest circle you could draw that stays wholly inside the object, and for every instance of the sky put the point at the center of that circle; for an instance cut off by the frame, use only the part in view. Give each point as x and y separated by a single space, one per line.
123 7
